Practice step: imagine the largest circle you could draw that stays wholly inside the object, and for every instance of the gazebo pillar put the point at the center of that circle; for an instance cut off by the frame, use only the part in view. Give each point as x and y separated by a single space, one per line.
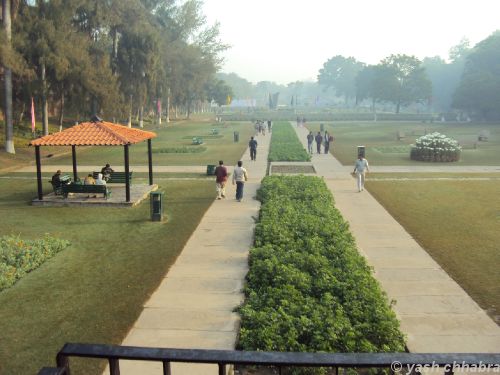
38 173
127 180
150 162
73 154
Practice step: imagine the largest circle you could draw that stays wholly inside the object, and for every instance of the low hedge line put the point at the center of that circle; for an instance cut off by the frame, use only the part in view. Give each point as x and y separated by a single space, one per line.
328 116
179 150
285 146
18 256
308 289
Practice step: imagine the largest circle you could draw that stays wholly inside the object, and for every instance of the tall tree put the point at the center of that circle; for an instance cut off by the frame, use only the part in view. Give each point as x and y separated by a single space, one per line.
479 89
340 73
403 81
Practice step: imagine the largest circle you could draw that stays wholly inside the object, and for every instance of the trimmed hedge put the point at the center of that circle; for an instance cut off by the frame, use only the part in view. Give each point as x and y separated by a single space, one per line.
308 289
285 146
18 256
435 147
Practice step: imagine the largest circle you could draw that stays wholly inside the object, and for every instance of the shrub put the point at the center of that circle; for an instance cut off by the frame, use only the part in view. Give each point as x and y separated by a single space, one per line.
308 289
435 147
179 150
285 146
18 256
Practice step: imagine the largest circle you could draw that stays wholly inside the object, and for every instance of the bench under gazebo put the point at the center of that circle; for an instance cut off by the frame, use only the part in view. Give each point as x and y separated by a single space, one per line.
95 133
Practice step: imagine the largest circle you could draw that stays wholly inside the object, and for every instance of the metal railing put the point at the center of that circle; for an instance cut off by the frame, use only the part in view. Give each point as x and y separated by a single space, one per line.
403 363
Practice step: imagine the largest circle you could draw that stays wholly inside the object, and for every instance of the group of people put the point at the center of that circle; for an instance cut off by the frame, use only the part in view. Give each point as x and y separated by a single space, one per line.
240 176
102 177
321 140
301 122
260 127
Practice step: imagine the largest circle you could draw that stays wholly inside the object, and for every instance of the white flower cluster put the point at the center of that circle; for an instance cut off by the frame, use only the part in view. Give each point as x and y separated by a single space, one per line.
438 142
435 147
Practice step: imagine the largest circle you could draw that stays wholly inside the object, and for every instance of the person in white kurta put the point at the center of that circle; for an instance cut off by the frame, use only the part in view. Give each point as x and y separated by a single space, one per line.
360 168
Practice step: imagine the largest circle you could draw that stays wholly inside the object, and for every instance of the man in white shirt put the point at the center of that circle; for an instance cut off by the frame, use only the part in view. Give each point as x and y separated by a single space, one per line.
239 177
360 168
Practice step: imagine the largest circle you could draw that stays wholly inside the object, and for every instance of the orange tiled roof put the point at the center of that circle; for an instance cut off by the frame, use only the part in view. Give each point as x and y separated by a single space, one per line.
94 134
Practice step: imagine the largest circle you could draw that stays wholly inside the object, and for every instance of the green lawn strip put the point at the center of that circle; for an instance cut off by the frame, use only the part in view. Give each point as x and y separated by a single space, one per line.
457 223
285 146
170 138
308 289
94 290
384 148
432 175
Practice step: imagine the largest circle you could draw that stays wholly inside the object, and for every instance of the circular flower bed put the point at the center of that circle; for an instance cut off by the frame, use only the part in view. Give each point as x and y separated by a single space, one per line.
435 147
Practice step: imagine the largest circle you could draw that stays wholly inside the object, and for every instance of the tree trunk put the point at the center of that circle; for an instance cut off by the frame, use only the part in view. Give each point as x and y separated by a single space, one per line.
45 105
129 122
167 117
114 55
398 106
141 116
9 126
61 110
21 114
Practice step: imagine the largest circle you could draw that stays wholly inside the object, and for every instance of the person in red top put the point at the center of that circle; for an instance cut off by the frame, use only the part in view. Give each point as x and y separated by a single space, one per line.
220 180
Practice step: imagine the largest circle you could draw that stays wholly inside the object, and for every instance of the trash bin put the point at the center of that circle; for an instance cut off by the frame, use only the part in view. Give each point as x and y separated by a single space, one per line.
236 136
156 204
210 170
361 151
322 127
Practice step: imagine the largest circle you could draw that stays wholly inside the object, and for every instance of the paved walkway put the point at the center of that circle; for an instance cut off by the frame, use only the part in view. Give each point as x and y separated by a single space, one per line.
435 312
193 306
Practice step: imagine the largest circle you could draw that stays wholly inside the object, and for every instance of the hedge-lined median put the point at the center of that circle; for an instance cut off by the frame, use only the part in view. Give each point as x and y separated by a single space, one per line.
18 256
308 289
285 146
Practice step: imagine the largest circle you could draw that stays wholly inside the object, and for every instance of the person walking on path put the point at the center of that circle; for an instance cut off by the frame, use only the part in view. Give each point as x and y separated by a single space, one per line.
360 168
319 140
310 140
220 180
253 148
239 177
269 124
327 142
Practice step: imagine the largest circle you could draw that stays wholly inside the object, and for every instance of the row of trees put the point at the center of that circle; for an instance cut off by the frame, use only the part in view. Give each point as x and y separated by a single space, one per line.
107 57
470 81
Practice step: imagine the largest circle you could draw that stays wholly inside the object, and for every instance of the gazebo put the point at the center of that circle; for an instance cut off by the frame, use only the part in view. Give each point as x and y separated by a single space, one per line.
95 133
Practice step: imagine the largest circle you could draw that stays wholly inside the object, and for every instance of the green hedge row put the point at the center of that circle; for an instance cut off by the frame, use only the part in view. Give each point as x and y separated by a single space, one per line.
308 289
18 256
327 116
285 146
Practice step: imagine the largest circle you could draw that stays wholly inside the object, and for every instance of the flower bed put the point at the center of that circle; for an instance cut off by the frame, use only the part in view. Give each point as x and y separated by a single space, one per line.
18 256
435 147
308 289
285 146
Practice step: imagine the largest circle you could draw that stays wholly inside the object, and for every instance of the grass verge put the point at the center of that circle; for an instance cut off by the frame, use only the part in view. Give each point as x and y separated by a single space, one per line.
95 289
457 222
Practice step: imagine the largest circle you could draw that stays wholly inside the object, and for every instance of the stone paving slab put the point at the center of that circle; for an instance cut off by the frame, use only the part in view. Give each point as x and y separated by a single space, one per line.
435 312
193 307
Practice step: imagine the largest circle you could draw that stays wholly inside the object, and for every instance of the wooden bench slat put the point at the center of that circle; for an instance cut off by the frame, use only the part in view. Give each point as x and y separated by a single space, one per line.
88 189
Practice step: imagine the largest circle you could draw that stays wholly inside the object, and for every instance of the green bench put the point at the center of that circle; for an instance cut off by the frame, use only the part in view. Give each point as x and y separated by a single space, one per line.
197 141
85 189
65 179
116 177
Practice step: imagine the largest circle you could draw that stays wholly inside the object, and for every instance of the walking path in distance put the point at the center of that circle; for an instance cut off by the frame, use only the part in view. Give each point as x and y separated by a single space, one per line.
193 306
435 312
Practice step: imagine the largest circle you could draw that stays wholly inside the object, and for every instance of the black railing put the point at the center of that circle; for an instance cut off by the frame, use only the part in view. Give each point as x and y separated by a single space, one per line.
404 363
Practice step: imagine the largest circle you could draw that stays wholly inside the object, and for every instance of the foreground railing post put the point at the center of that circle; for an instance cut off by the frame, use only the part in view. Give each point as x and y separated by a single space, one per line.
63 361
222 369
114 366
166 368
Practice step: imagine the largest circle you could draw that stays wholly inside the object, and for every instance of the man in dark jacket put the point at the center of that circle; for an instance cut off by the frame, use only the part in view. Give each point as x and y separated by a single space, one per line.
319 141
253 148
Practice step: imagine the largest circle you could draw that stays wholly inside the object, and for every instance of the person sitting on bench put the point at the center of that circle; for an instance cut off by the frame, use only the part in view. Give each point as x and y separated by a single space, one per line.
56 179
89 180
100 180
106 172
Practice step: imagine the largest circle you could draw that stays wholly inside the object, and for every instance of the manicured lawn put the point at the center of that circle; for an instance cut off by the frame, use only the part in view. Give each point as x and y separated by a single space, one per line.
383 147
94 290
172 136
458 223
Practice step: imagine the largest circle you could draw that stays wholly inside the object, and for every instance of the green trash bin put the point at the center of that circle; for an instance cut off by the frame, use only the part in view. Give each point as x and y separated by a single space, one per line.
236 136
156 205
361 151
210 170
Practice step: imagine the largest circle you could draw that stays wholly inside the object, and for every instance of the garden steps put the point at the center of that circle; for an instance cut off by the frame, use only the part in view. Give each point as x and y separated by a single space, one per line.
193 305
436 314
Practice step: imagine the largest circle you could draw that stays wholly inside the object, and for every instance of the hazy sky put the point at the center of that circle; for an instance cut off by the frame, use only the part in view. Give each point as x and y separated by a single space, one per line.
289 40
